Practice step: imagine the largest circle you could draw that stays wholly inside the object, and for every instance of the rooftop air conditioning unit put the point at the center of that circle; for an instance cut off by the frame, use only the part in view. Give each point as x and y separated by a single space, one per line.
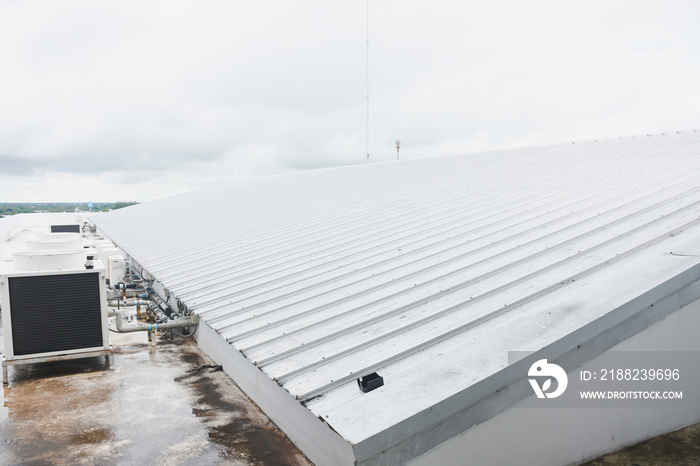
53 308
116 268
104 251
56 241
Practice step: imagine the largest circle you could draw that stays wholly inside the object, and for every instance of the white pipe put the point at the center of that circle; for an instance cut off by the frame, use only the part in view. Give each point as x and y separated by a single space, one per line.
129 303
179 323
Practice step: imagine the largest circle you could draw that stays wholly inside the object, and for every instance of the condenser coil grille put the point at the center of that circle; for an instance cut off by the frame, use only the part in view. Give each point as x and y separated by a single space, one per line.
55 313
65 228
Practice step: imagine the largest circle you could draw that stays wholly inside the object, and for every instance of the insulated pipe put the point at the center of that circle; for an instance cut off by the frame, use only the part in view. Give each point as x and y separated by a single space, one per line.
125 286
180 323
160 316
167 310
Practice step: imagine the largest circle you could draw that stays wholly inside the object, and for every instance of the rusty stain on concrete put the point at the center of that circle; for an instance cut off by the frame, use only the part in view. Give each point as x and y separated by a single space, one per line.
94 435
155 406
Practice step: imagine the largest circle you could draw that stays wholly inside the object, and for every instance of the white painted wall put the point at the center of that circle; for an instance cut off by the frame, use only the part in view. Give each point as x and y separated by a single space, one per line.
314 438
571 436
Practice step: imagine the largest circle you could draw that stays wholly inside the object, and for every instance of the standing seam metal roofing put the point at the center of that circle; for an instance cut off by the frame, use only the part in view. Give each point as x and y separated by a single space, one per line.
427 271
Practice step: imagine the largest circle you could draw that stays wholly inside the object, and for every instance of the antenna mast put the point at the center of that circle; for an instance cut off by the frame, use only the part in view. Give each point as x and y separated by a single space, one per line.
368 80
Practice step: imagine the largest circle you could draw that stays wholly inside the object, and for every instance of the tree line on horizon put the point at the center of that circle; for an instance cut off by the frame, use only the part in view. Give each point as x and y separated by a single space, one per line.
13 208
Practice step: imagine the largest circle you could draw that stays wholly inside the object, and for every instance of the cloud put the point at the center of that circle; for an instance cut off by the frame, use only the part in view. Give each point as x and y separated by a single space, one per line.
197 92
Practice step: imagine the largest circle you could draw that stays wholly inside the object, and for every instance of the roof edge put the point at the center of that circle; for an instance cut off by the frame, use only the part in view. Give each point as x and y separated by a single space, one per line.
319 442
488 397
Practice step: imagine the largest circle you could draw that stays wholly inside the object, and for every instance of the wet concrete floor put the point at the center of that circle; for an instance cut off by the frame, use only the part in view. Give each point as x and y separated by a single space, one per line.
170 405
164 405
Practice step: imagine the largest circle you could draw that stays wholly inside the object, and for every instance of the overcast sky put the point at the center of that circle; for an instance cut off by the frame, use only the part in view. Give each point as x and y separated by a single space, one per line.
136 100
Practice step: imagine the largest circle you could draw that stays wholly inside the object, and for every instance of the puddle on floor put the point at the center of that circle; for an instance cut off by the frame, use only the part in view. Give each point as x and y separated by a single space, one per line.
146 409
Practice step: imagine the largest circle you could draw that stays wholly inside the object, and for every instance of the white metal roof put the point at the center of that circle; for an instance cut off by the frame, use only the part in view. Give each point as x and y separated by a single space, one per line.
427 271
